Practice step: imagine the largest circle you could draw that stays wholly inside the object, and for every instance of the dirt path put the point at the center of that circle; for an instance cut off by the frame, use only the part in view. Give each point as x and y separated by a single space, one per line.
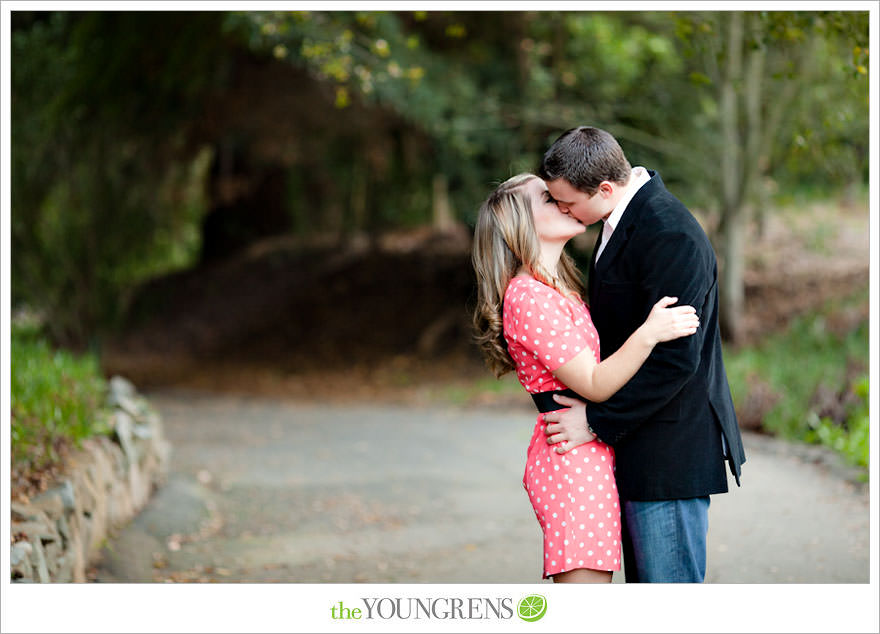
264 490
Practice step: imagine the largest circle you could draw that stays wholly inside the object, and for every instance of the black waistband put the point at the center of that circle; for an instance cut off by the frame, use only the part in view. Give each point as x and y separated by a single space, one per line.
545 403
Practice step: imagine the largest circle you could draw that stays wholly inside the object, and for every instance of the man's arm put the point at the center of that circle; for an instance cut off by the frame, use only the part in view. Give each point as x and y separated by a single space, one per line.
673 264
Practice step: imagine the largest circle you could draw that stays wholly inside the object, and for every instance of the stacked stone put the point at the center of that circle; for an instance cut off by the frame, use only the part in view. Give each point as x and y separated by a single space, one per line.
107 482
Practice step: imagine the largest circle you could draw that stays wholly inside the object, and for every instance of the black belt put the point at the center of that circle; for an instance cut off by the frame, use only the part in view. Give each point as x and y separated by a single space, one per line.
545 403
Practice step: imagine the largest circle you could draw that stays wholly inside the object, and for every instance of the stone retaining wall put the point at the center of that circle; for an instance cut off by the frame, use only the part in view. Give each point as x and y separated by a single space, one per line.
106 483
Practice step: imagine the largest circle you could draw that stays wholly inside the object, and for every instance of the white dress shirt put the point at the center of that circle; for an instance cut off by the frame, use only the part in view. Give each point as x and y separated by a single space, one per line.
638 178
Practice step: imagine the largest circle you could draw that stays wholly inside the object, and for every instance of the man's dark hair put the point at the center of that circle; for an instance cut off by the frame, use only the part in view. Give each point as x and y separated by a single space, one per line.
585 157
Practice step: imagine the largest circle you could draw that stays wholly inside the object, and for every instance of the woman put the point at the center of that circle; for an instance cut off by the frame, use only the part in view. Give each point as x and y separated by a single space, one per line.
530 317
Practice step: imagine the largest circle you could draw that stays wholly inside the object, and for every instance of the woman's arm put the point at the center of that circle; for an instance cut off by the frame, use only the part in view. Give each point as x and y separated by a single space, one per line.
599 381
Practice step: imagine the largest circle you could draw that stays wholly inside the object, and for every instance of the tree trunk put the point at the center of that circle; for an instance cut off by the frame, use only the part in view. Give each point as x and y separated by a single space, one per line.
444 219
756 147
731 287
359 196
732 226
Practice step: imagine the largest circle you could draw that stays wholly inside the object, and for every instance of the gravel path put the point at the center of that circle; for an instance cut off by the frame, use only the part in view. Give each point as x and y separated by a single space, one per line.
264 490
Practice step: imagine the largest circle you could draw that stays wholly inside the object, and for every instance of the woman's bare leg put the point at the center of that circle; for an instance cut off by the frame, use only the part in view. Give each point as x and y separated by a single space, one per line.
583 575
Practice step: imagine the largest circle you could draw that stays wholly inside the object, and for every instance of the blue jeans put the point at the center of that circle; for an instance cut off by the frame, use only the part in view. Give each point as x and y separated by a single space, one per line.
665 541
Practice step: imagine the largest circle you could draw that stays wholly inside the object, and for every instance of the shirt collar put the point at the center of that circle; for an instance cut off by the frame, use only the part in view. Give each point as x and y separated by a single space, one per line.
638 178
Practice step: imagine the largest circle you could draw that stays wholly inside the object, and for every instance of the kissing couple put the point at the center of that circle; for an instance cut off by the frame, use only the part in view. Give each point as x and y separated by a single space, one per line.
636 422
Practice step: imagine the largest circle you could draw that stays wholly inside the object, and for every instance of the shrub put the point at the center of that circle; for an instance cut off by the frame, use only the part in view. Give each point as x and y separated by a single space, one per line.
799 368
851 439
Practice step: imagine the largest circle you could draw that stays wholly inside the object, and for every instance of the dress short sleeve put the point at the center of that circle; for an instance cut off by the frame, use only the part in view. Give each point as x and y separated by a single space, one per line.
544 326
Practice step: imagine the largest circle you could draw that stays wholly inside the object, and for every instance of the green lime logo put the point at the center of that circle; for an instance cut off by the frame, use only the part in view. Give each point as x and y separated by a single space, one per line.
532 608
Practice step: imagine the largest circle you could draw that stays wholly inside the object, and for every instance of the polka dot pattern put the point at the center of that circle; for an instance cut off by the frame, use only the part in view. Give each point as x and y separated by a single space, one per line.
544 330
574 495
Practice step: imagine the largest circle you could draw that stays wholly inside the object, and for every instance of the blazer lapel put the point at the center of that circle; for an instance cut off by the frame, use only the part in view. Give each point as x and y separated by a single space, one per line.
627 222
591 283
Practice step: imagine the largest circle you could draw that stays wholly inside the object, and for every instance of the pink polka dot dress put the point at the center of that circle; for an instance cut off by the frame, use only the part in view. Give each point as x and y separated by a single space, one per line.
574 495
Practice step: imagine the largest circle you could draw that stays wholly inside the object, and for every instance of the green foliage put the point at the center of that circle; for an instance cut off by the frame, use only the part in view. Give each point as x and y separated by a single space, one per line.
100 200
107 186
795 364
57 398
802 115
492 98
444 74
851 440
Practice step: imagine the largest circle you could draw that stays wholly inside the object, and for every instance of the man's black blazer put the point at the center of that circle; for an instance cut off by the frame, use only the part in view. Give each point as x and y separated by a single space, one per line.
666 423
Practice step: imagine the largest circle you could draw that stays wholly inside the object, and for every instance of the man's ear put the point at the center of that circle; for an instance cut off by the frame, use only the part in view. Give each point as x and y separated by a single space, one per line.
606 188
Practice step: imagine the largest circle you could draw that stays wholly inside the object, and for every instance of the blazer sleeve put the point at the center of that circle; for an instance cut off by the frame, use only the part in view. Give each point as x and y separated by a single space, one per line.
678 265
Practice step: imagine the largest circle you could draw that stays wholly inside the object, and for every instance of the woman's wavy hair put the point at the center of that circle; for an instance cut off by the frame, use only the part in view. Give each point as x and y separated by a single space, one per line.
505 239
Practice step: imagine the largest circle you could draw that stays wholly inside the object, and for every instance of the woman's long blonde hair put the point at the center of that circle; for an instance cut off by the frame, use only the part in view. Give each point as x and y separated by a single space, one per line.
505 239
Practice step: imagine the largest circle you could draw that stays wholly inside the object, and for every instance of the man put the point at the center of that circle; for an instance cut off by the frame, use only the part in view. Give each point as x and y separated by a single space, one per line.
672 426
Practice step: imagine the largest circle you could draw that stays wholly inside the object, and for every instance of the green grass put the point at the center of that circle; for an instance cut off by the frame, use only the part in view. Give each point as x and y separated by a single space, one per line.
797 362
807 194
483 388
57 398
